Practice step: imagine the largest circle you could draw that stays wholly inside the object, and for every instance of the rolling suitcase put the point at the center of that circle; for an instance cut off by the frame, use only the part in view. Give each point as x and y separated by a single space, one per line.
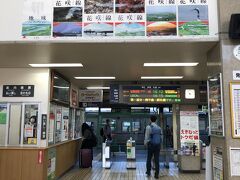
85 158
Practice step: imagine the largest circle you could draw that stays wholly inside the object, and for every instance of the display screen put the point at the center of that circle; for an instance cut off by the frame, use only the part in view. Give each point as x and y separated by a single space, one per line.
60 89
151 94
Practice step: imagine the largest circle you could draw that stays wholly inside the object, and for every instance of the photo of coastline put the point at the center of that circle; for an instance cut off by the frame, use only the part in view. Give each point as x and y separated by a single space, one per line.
130 29
161 13
67 14
98 29
67 29
193 20
130 6
98 6
36 28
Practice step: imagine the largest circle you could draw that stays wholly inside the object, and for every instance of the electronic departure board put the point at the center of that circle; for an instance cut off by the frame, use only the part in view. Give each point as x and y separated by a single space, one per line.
128 94
151 94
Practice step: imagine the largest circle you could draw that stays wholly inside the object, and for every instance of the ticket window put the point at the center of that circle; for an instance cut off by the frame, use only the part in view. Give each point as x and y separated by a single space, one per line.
19 122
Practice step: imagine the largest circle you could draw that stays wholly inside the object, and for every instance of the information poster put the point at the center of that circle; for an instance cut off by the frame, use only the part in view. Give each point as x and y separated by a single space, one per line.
235 161
65 121
235 109
51 126
51 164
189 133
215 105
119 19
217 164
37 19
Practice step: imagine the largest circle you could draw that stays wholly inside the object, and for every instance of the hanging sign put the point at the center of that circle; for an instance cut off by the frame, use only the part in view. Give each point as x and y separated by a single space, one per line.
18 91
90 95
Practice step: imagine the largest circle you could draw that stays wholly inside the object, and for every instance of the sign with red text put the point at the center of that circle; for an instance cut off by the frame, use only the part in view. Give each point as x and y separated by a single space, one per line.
189 133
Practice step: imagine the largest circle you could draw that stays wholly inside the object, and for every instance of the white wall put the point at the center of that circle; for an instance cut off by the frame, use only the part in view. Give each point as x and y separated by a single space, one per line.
40 78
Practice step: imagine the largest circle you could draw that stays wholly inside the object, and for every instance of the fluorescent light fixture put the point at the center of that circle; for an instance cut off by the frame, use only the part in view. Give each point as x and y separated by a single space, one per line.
61 87
213 79
98 87
161 77
95 77
169 64
57 65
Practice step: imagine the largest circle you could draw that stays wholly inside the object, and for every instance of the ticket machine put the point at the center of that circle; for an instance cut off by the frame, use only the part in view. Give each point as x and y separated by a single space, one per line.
106 155
131 154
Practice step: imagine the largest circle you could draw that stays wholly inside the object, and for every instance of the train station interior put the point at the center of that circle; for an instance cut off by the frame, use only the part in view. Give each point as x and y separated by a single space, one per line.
84 84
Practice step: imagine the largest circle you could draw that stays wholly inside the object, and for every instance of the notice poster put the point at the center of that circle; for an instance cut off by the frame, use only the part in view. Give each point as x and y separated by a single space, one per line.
37 19
189 133
51 164
235 161
65 126
235 109
67 18
217 164
51 127
3 113
161 18
216 120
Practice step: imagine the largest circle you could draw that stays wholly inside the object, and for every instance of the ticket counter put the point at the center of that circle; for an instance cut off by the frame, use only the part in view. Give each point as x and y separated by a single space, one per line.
38 163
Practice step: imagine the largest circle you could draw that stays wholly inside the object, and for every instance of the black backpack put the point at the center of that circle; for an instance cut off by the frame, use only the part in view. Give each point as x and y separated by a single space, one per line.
101 132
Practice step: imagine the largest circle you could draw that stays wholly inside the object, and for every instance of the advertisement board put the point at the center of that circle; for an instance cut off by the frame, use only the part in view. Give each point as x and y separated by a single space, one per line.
117 19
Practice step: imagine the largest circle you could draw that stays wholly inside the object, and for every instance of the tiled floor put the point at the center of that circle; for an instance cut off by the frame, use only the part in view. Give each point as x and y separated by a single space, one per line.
118 171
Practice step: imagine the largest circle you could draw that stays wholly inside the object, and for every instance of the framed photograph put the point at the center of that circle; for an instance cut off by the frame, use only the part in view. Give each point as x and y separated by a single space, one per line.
235 109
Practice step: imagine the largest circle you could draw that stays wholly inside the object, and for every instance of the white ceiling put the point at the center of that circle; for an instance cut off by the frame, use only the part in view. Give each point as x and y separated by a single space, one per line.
123 60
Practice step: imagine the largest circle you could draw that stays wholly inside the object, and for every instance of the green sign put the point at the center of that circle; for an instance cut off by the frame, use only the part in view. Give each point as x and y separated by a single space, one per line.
3 113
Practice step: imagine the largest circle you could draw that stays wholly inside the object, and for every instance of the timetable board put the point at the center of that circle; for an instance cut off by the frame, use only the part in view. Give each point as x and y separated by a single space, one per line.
132 94
110 19
235 109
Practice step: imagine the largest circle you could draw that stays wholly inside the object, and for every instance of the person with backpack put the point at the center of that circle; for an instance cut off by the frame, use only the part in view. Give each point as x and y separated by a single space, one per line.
153 140
107 132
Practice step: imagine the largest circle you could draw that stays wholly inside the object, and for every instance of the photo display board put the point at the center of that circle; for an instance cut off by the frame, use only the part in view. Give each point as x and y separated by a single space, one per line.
235 109
132 94
216 120
114 19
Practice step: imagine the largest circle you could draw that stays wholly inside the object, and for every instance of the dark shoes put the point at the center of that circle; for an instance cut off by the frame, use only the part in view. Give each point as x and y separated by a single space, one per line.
148 174
156 176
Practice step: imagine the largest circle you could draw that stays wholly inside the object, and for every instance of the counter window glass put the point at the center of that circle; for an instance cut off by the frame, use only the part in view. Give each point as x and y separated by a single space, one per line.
136 126
30 124
3 123
126 126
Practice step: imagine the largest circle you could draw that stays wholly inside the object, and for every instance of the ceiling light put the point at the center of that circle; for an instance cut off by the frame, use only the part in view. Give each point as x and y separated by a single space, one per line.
98 87
57 65
161 77
169 64
61 87
109 77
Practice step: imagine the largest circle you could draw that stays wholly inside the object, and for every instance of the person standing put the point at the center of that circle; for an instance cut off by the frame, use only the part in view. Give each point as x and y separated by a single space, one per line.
153 140
107 132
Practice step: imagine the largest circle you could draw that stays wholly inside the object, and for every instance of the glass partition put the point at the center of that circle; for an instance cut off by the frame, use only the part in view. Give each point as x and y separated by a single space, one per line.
30 133
3 123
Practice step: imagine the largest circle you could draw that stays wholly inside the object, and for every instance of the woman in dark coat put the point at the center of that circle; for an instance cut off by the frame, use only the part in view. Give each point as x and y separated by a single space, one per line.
87 136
